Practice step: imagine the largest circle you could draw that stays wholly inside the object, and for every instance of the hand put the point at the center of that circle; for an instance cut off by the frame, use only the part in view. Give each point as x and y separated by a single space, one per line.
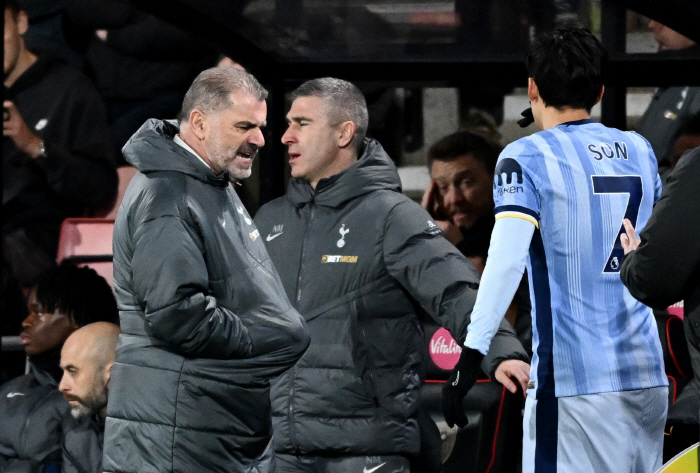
509 369
458 385
629 239
432 203
19 132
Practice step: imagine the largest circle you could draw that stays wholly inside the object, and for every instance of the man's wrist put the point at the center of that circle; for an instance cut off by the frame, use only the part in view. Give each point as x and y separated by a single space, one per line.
38 150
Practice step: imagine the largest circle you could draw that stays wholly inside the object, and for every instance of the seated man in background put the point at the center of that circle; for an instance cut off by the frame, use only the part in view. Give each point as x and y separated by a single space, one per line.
86 360
57 157
460 199
33 410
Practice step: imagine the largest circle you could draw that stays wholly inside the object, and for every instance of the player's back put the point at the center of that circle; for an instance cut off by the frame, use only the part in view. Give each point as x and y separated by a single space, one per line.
579 180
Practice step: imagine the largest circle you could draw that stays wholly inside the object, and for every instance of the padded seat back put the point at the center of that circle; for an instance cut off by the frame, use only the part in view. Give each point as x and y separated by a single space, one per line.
88 242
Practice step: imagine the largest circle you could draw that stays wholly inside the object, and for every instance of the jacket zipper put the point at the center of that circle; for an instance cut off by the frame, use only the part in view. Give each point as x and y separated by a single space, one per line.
292 377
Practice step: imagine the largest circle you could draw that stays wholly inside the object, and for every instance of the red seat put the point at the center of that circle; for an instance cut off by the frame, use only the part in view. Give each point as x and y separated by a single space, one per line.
88 242
126 173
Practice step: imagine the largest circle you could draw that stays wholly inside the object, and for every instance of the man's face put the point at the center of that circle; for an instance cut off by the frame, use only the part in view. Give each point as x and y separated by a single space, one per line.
84 384
42 330
311 140
464 188
233 135
667 38
15 26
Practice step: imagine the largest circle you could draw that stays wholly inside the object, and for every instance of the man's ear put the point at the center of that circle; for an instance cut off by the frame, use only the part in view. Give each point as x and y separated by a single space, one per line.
600 95
107 373
198 123
347 132
533 92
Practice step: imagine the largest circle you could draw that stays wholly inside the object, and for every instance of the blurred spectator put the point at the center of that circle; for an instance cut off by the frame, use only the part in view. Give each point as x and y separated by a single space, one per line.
688 138
664 268
47 30
13 308
460 199
57 156
86 359
33 410
225 61
671 107
142 66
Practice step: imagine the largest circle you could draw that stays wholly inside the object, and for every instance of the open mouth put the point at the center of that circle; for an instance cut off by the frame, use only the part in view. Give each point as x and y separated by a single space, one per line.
24 340
293 156
245 156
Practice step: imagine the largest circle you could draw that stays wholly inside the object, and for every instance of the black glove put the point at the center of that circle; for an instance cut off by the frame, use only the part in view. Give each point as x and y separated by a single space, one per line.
527 119
458 385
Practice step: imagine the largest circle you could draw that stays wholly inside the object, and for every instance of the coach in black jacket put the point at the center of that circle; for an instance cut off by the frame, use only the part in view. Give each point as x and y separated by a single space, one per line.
360 261
665 268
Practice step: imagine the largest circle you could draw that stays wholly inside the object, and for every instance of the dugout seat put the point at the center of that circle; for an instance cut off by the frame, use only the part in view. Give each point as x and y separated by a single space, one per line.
88 242
492 440
126 173
674 344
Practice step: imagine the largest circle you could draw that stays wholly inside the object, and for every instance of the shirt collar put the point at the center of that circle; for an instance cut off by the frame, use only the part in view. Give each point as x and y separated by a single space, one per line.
179 141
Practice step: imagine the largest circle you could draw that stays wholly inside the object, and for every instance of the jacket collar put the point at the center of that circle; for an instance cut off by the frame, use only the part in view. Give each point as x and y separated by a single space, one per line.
152 149
374 170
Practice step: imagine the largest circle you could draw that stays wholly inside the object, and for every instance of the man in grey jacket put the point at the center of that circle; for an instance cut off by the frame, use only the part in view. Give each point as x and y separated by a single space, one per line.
361 262
205 320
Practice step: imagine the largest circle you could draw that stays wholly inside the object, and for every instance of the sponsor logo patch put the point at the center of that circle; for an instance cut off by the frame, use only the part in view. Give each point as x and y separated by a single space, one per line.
444 350
338 259
254 235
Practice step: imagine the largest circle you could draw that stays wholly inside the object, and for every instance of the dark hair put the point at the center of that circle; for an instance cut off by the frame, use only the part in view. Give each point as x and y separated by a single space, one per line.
15 6
568 66
462 143
78 292
344 102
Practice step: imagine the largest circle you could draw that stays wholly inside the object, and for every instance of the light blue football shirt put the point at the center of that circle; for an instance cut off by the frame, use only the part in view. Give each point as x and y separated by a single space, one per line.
576 182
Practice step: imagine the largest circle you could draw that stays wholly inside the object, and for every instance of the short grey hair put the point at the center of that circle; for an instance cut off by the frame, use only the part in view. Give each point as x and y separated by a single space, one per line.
212 88
344 102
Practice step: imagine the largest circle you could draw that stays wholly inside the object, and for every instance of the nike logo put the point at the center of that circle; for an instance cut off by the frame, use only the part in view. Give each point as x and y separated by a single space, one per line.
365 470
271 237
14 394
456 381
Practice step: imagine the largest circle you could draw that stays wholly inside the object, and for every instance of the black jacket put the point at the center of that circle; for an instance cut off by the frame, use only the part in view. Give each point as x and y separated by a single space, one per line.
32 413
665 268
82 445
204 317
61 106
361 262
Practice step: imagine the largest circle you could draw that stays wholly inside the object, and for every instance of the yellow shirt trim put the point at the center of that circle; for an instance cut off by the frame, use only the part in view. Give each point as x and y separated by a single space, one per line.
518 215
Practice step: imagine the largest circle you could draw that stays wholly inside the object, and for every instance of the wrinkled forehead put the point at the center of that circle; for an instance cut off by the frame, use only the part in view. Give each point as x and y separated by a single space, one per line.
243 107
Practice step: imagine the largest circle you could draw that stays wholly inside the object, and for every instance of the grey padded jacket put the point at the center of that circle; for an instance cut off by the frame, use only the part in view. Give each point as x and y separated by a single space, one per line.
361 262
205 320
32 415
